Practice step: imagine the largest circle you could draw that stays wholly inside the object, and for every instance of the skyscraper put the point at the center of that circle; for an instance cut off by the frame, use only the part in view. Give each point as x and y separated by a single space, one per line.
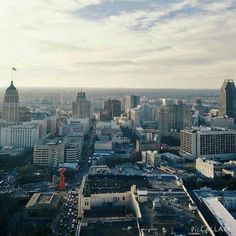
11 104
131 102
112 108
81 108
174 117
228 99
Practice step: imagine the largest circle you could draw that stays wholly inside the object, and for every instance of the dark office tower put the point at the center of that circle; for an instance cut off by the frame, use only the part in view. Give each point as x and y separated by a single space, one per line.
112 108
81 108
11 105
228 99
131 102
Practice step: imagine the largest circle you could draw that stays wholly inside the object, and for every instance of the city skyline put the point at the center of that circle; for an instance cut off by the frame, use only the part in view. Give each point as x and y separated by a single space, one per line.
118 44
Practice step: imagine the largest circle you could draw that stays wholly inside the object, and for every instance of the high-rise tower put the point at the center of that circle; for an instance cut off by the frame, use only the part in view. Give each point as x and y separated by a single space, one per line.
228 99
81 107
11 104
131 102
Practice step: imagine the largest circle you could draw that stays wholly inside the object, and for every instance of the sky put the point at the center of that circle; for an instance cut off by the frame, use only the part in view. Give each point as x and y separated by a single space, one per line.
118 43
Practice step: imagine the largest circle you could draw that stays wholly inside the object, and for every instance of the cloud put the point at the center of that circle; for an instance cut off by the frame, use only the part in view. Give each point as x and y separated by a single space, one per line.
111 43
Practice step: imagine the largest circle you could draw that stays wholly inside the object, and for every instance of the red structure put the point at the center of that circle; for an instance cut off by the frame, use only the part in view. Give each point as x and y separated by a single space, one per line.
62 179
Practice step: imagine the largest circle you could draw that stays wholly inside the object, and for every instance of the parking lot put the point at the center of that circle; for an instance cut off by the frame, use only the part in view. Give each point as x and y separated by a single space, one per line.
67 220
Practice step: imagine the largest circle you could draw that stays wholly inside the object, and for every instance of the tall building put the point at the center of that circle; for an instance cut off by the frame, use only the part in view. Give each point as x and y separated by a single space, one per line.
131 102
11 104
112 108
81 108
135 117
174 117
228 99
210 143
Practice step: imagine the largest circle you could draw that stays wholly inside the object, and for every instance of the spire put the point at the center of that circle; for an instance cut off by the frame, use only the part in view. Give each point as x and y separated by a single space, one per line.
11 87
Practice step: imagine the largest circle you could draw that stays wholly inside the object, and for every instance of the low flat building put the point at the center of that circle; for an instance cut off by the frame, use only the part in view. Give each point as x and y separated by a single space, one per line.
43 204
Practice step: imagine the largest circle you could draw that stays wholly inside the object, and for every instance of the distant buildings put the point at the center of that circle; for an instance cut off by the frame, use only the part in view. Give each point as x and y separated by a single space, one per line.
228 99
131 102
24 114
11 105
112 108
46 121
81 108
75 126
174 117
210 143
223 122
135 117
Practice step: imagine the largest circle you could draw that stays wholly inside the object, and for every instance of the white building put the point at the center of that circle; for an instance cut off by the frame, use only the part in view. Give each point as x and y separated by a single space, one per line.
151 158
25 136
217 144
210 169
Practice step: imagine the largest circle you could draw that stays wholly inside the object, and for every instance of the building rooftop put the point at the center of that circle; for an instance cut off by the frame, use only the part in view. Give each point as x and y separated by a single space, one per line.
109 183
207 129
207 192
225 219
169 215
43 200
124 228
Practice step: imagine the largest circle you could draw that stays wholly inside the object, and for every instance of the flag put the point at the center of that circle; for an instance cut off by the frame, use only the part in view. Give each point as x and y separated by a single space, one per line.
13 68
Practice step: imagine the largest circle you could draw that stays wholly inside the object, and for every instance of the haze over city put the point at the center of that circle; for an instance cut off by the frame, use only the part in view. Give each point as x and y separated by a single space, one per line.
118 43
